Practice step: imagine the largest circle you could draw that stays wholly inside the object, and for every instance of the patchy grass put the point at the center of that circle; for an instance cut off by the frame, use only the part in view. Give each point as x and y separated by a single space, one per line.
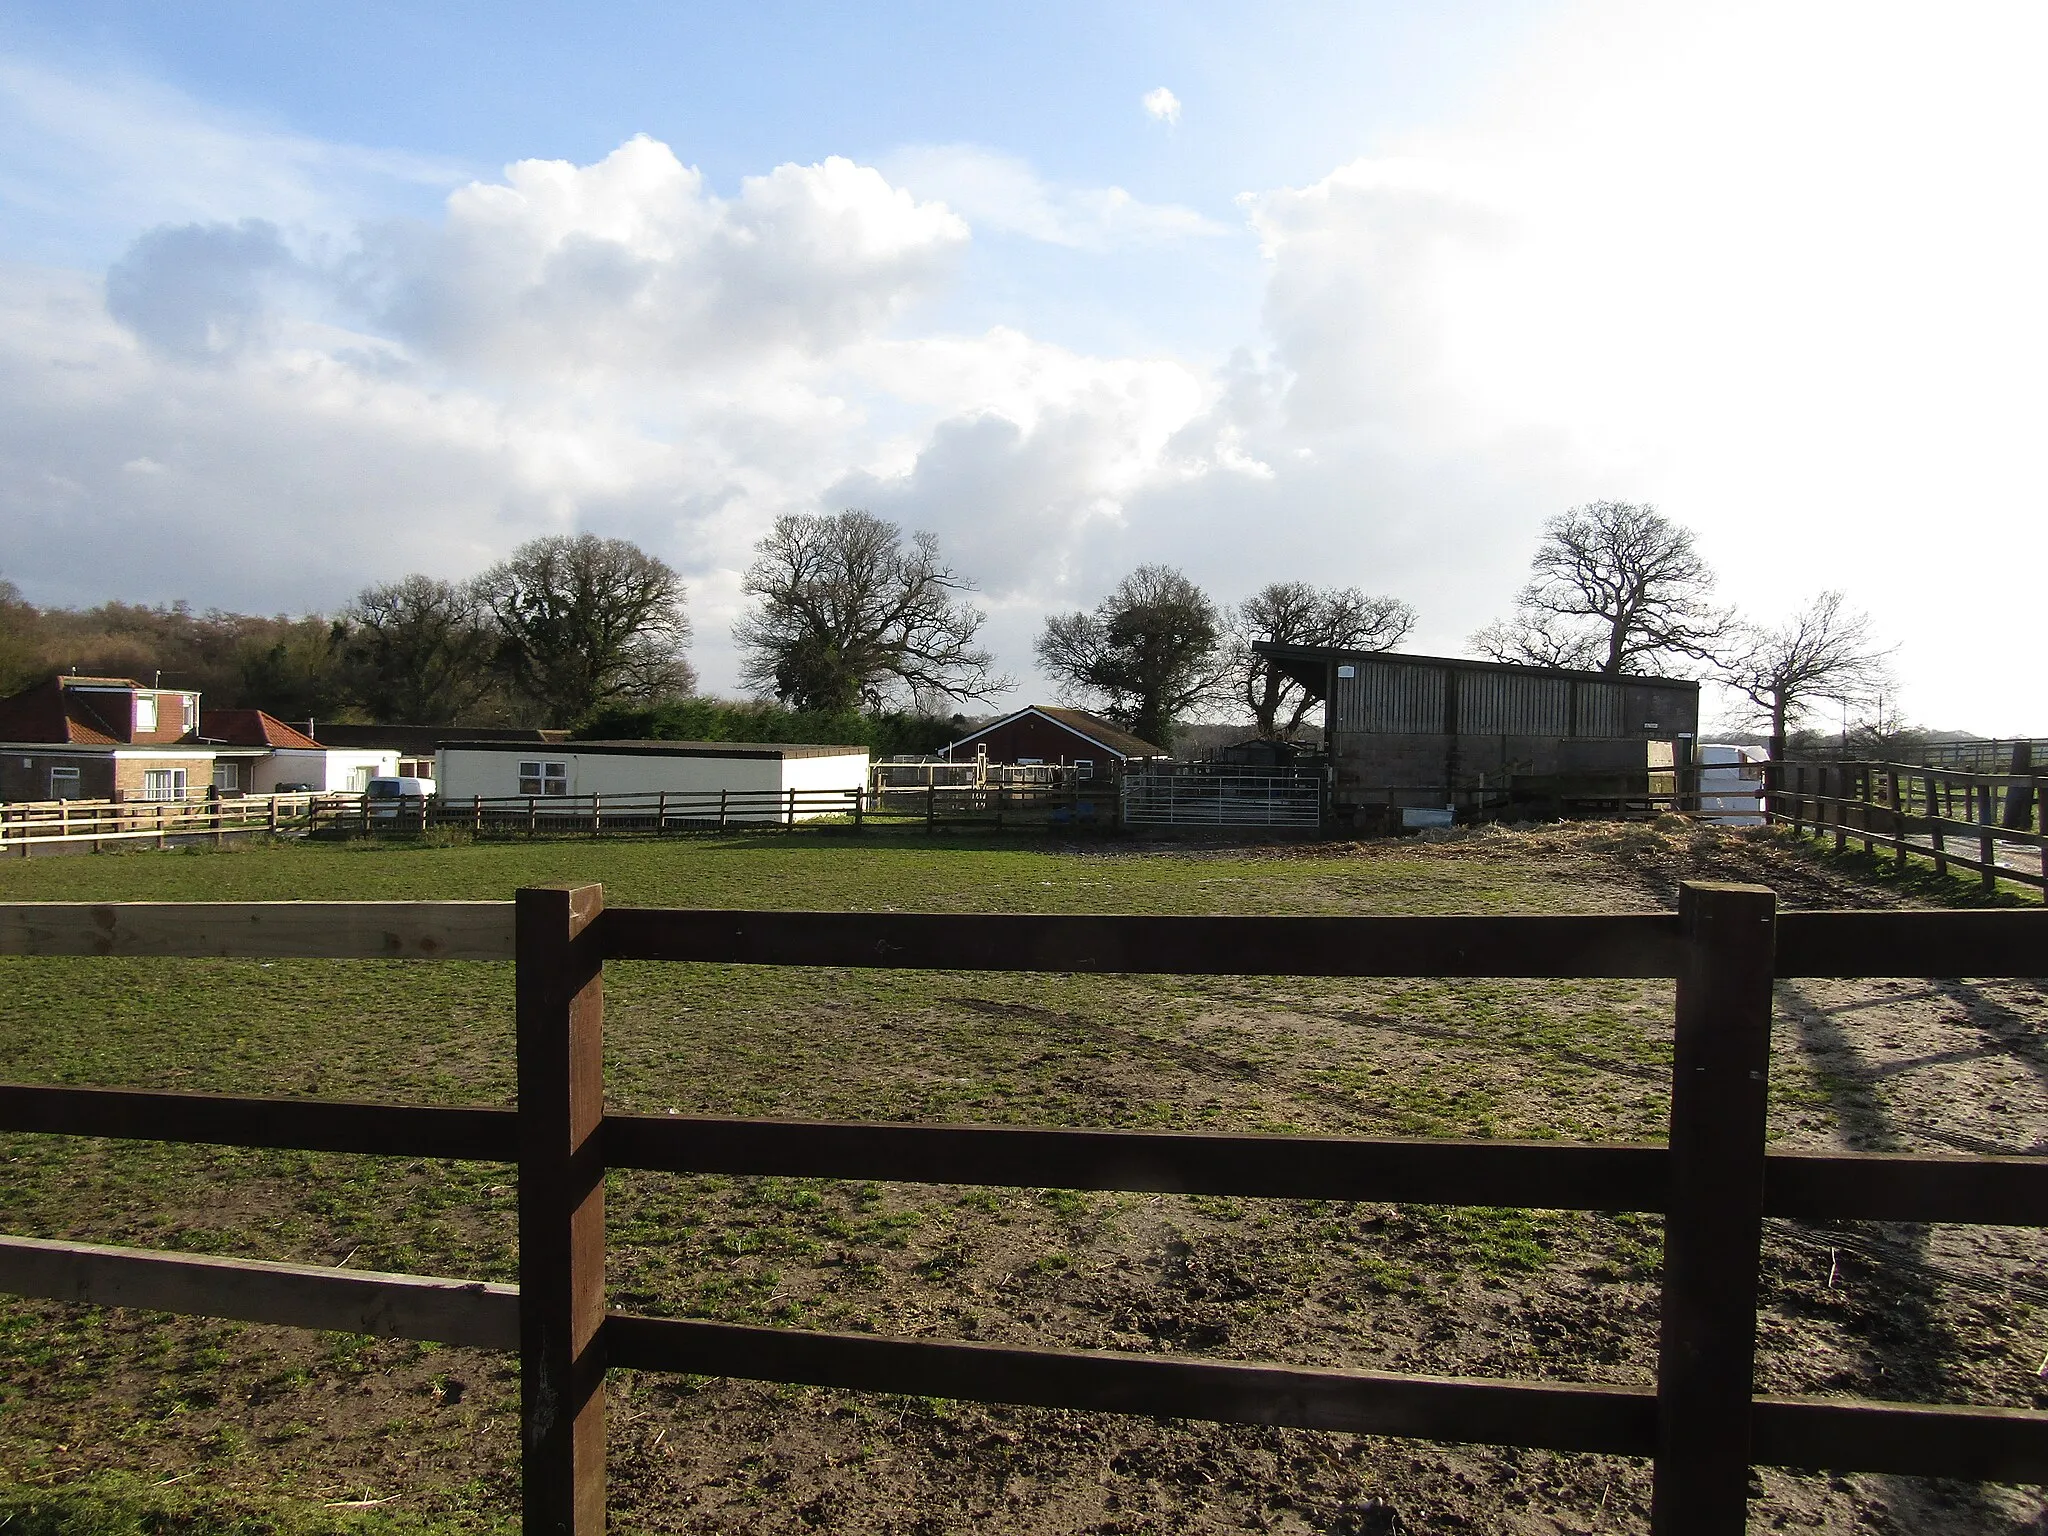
261 1424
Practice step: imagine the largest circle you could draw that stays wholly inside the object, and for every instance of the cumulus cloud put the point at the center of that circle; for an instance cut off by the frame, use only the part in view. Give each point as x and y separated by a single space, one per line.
632 263
1002 192
1161 105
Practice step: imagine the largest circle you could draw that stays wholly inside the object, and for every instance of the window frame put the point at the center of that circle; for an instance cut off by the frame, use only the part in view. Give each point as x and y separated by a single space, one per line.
541 779
175 780
72 772
146 714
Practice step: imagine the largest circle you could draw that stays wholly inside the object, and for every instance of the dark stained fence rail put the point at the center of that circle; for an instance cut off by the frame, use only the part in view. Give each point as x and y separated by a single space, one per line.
1919 812
1714 1181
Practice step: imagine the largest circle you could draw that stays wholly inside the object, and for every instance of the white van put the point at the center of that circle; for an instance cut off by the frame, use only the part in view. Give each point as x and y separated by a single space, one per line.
390 798
1732 784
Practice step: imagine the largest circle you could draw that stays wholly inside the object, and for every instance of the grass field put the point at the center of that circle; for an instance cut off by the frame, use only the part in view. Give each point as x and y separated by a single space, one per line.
106 1416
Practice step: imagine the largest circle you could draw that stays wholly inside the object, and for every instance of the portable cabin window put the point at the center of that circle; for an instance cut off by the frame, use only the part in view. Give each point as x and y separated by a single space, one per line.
145 713
543 778
227 775
64 784
163 783
359 779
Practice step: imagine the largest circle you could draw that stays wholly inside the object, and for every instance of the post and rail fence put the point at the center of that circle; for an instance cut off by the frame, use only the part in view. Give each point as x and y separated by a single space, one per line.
1945 816
1714 1181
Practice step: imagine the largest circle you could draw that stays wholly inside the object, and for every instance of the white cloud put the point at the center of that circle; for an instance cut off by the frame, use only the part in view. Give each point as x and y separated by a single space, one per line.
1161 105
1790 292
633 264
99 157
1002 192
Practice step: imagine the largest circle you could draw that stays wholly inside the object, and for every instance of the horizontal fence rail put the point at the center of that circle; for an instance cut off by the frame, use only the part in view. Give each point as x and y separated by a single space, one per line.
1949 817
25 827
563 1140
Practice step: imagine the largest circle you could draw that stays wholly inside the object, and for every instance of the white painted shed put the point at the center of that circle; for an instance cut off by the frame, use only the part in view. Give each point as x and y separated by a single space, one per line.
755 777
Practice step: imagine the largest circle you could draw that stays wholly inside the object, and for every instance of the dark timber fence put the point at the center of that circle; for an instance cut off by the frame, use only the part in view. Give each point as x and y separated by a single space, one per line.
1939 814
1715 1182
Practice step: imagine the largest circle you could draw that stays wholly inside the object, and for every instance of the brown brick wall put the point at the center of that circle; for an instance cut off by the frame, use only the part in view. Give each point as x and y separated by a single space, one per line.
128 772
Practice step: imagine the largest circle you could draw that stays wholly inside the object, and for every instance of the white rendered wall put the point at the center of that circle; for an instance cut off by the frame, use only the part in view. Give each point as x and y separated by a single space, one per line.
327 769
462 773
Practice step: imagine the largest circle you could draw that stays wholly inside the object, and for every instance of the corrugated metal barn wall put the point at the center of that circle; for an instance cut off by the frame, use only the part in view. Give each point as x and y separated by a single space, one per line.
1404 698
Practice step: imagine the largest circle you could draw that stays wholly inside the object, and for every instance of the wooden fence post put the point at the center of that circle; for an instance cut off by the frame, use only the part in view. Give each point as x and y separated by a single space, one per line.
1935 812
1987 844
1713 1232
559 995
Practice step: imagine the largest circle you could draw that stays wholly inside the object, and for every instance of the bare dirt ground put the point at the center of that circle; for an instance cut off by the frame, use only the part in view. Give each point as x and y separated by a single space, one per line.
1948 1314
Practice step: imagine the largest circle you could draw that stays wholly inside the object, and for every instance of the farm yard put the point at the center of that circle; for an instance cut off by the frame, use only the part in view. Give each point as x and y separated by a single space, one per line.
109 1415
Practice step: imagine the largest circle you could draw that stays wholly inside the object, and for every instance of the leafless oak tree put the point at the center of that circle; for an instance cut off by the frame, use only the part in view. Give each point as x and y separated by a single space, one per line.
1825 651
1148 654
1296 613
585 623
1614 587
848 614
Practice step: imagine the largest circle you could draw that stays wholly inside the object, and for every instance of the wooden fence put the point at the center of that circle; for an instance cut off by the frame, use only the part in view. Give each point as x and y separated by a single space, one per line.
26 826
1923 812
1714 1181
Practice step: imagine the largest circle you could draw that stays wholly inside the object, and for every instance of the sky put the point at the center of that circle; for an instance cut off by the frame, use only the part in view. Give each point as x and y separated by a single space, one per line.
294 300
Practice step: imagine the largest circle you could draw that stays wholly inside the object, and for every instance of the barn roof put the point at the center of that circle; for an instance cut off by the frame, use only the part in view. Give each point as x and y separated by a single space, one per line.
1306 664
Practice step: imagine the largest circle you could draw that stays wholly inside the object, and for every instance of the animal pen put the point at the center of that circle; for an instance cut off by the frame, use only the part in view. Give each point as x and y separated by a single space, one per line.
1715 1181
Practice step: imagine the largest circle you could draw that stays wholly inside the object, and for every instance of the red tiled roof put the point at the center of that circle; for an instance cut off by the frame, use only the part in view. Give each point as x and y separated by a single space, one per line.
251 728
54 713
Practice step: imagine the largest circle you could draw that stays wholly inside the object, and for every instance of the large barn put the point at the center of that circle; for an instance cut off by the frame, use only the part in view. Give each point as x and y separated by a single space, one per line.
1436 731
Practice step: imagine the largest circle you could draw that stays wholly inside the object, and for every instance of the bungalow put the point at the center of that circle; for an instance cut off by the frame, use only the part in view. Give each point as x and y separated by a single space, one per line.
102 738
258 754
1086 745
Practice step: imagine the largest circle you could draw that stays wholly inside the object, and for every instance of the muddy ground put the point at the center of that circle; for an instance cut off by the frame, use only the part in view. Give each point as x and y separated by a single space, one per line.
1948 1314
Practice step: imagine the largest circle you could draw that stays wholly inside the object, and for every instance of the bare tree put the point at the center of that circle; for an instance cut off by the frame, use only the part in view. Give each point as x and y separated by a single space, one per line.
847 614
1295 613
21 640
1614 587
584 623
421 651
1149 653
1825 651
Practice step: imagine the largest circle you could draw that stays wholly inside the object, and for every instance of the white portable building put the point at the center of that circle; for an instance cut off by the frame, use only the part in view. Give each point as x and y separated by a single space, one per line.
737 780
1732 784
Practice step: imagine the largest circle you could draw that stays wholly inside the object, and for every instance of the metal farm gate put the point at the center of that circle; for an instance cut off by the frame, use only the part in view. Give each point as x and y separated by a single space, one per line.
1222 800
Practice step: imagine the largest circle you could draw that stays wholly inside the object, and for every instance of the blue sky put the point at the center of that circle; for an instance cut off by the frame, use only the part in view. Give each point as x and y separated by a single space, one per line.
1378 290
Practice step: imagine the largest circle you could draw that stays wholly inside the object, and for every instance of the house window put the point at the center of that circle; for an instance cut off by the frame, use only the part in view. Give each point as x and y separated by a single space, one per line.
64 784
1084 767
543 778
359 779
227 776
145 713
191 703
163 784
